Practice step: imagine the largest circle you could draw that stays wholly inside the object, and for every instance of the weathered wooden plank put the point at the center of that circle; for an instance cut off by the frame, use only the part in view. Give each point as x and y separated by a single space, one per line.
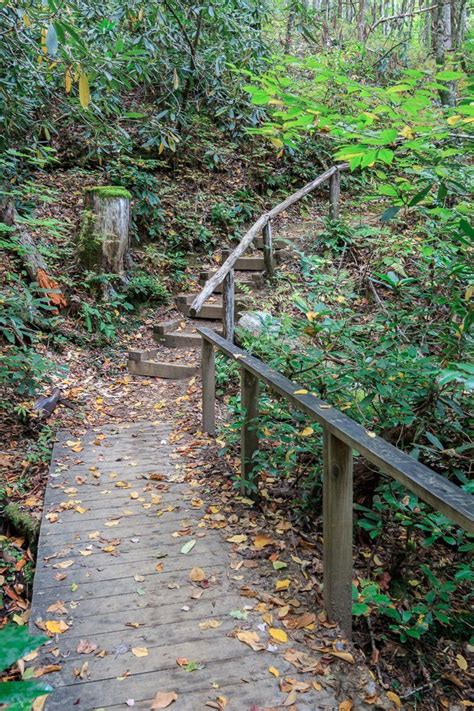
208 373
431 487
337 531
268 256
228 306
334 195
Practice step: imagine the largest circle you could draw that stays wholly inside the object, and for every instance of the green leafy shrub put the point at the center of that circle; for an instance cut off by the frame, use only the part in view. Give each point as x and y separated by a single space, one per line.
146 288
15 643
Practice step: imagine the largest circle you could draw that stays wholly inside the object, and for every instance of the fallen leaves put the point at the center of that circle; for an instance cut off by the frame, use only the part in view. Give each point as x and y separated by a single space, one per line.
188 546
197 575
64 564
461 662
163 699
238 538
86 647
278 635
282 584
56 626
262 541
251 638
140 651
209 624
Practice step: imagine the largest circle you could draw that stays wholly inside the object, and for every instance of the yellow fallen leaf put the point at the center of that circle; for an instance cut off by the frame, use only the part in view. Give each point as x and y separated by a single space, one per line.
261 541
56 626
370 434
395 698
239 538
85 553
282 584
81 509
209 624
277 634
306 432
274 671
461 662
140 651
300 392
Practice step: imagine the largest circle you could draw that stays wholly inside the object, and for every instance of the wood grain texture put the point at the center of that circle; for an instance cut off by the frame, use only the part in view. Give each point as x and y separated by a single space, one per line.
114 595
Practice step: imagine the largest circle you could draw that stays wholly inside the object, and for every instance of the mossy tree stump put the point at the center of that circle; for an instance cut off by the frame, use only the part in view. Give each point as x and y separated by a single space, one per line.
104 237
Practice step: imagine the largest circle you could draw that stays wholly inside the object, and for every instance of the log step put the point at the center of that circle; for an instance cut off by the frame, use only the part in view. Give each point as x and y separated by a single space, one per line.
179 339
278 242
166 326
158 369
247 264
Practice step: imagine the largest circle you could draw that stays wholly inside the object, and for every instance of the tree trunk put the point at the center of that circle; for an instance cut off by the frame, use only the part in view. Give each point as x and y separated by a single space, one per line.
361 21
443 43
104 240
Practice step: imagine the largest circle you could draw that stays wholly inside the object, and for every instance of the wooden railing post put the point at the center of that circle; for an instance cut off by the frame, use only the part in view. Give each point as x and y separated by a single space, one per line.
228 306
268 250
208 388
337 531
334 195
249 391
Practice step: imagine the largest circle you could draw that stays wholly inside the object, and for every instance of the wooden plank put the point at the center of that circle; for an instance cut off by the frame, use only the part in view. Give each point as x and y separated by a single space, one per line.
268 250
208 371
249 236
228 306
334 195
249 392
337 531
431 487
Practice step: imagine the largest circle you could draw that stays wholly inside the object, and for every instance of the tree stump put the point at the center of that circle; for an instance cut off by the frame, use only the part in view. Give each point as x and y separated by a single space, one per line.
104 238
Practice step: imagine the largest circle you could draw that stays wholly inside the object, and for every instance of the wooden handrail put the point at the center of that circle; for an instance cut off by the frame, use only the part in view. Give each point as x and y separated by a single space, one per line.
259 226
341 435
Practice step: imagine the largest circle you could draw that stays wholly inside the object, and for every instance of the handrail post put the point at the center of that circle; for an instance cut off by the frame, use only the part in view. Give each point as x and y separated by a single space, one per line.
249 392
337 531
228 306
268 250
208 371
334 195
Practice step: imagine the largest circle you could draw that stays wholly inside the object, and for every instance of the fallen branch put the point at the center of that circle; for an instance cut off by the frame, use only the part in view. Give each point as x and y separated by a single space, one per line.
48 403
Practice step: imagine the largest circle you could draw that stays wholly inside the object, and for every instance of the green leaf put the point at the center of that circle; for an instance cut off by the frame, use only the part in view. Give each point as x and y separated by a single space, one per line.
16 692
385 155
389 214
419 196
449 75
15 643
188 546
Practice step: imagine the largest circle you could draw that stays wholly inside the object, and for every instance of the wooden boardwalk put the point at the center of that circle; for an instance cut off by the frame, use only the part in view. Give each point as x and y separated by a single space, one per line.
111 568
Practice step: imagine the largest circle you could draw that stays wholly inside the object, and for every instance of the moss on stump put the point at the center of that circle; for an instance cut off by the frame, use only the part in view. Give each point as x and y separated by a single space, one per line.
22 522
110 191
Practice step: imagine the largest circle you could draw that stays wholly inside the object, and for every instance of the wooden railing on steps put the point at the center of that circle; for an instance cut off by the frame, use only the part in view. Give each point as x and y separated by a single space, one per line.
341 435
263 225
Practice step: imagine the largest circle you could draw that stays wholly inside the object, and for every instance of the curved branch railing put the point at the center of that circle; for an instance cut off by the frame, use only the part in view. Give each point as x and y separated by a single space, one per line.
225 273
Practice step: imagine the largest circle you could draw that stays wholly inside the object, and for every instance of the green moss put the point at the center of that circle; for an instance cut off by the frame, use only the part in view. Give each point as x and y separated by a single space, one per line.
89 244
22 522
110 191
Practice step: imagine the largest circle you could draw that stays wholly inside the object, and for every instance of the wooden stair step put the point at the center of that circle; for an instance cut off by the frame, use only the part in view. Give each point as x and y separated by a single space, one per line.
179 339
166 326
160 369
247 264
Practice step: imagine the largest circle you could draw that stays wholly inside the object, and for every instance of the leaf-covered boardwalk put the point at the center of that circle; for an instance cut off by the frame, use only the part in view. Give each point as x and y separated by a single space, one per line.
141 597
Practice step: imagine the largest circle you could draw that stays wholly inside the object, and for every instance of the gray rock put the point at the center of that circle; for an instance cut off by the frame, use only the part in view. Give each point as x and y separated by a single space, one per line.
258 322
